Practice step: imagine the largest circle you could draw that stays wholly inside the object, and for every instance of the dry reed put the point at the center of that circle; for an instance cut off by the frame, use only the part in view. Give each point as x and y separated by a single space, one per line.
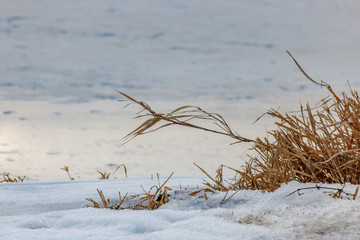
66 169
103 175
319 144
106 175
7 178
152 199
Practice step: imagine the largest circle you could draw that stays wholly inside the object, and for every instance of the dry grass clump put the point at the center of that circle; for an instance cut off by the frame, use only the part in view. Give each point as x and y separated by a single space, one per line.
316 144
7 178
103 175
152 199
320 144
217 184
107 202
106 175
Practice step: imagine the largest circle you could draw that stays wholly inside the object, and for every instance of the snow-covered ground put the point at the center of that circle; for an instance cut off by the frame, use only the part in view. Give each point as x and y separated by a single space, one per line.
62 60
56 210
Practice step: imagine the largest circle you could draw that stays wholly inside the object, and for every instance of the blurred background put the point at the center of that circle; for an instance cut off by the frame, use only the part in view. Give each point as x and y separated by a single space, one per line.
62 62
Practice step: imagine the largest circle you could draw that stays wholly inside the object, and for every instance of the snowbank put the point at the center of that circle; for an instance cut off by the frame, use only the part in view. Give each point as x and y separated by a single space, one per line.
56 210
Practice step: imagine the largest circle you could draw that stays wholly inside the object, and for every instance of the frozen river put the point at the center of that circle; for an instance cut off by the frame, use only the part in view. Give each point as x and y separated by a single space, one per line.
61 62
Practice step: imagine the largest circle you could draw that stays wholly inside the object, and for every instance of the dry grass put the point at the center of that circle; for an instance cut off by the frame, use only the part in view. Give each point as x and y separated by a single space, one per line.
106 203
183 116
217 182
66 169
105 175
7 178
152 199
318 144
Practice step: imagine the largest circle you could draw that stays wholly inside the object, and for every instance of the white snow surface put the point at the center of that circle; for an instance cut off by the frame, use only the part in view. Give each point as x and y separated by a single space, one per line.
61 62
57 210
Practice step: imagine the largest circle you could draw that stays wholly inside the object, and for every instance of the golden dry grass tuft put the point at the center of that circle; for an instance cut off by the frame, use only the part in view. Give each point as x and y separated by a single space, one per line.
154 199
106 203
319 144
106 175
216 184
151 199
103 175
7 178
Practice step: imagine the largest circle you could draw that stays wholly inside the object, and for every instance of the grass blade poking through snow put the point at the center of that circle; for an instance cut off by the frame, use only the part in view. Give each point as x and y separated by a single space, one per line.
151 199
106 175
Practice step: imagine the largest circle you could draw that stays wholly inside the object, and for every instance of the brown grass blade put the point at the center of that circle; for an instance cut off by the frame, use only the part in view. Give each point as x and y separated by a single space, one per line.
356 193
323 84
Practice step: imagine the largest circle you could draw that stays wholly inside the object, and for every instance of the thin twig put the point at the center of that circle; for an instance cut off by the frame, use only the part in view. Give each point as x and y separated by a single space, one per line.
341 190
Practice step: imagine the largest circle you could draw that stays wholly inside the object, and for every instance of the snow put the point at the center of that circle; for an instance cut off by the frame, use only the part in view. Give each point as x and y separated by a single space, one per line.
57 210
62 62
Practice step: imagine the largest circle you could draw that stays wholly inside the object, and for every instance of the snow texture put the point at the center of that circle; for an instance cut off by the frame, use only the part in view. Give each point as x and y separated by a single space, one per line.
62 62
56 210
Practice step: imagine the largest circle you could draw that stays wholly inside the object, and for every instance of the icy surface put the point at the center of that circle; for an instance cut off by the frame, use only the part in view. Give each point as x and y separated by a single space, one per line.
61 62
56 210
80 51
